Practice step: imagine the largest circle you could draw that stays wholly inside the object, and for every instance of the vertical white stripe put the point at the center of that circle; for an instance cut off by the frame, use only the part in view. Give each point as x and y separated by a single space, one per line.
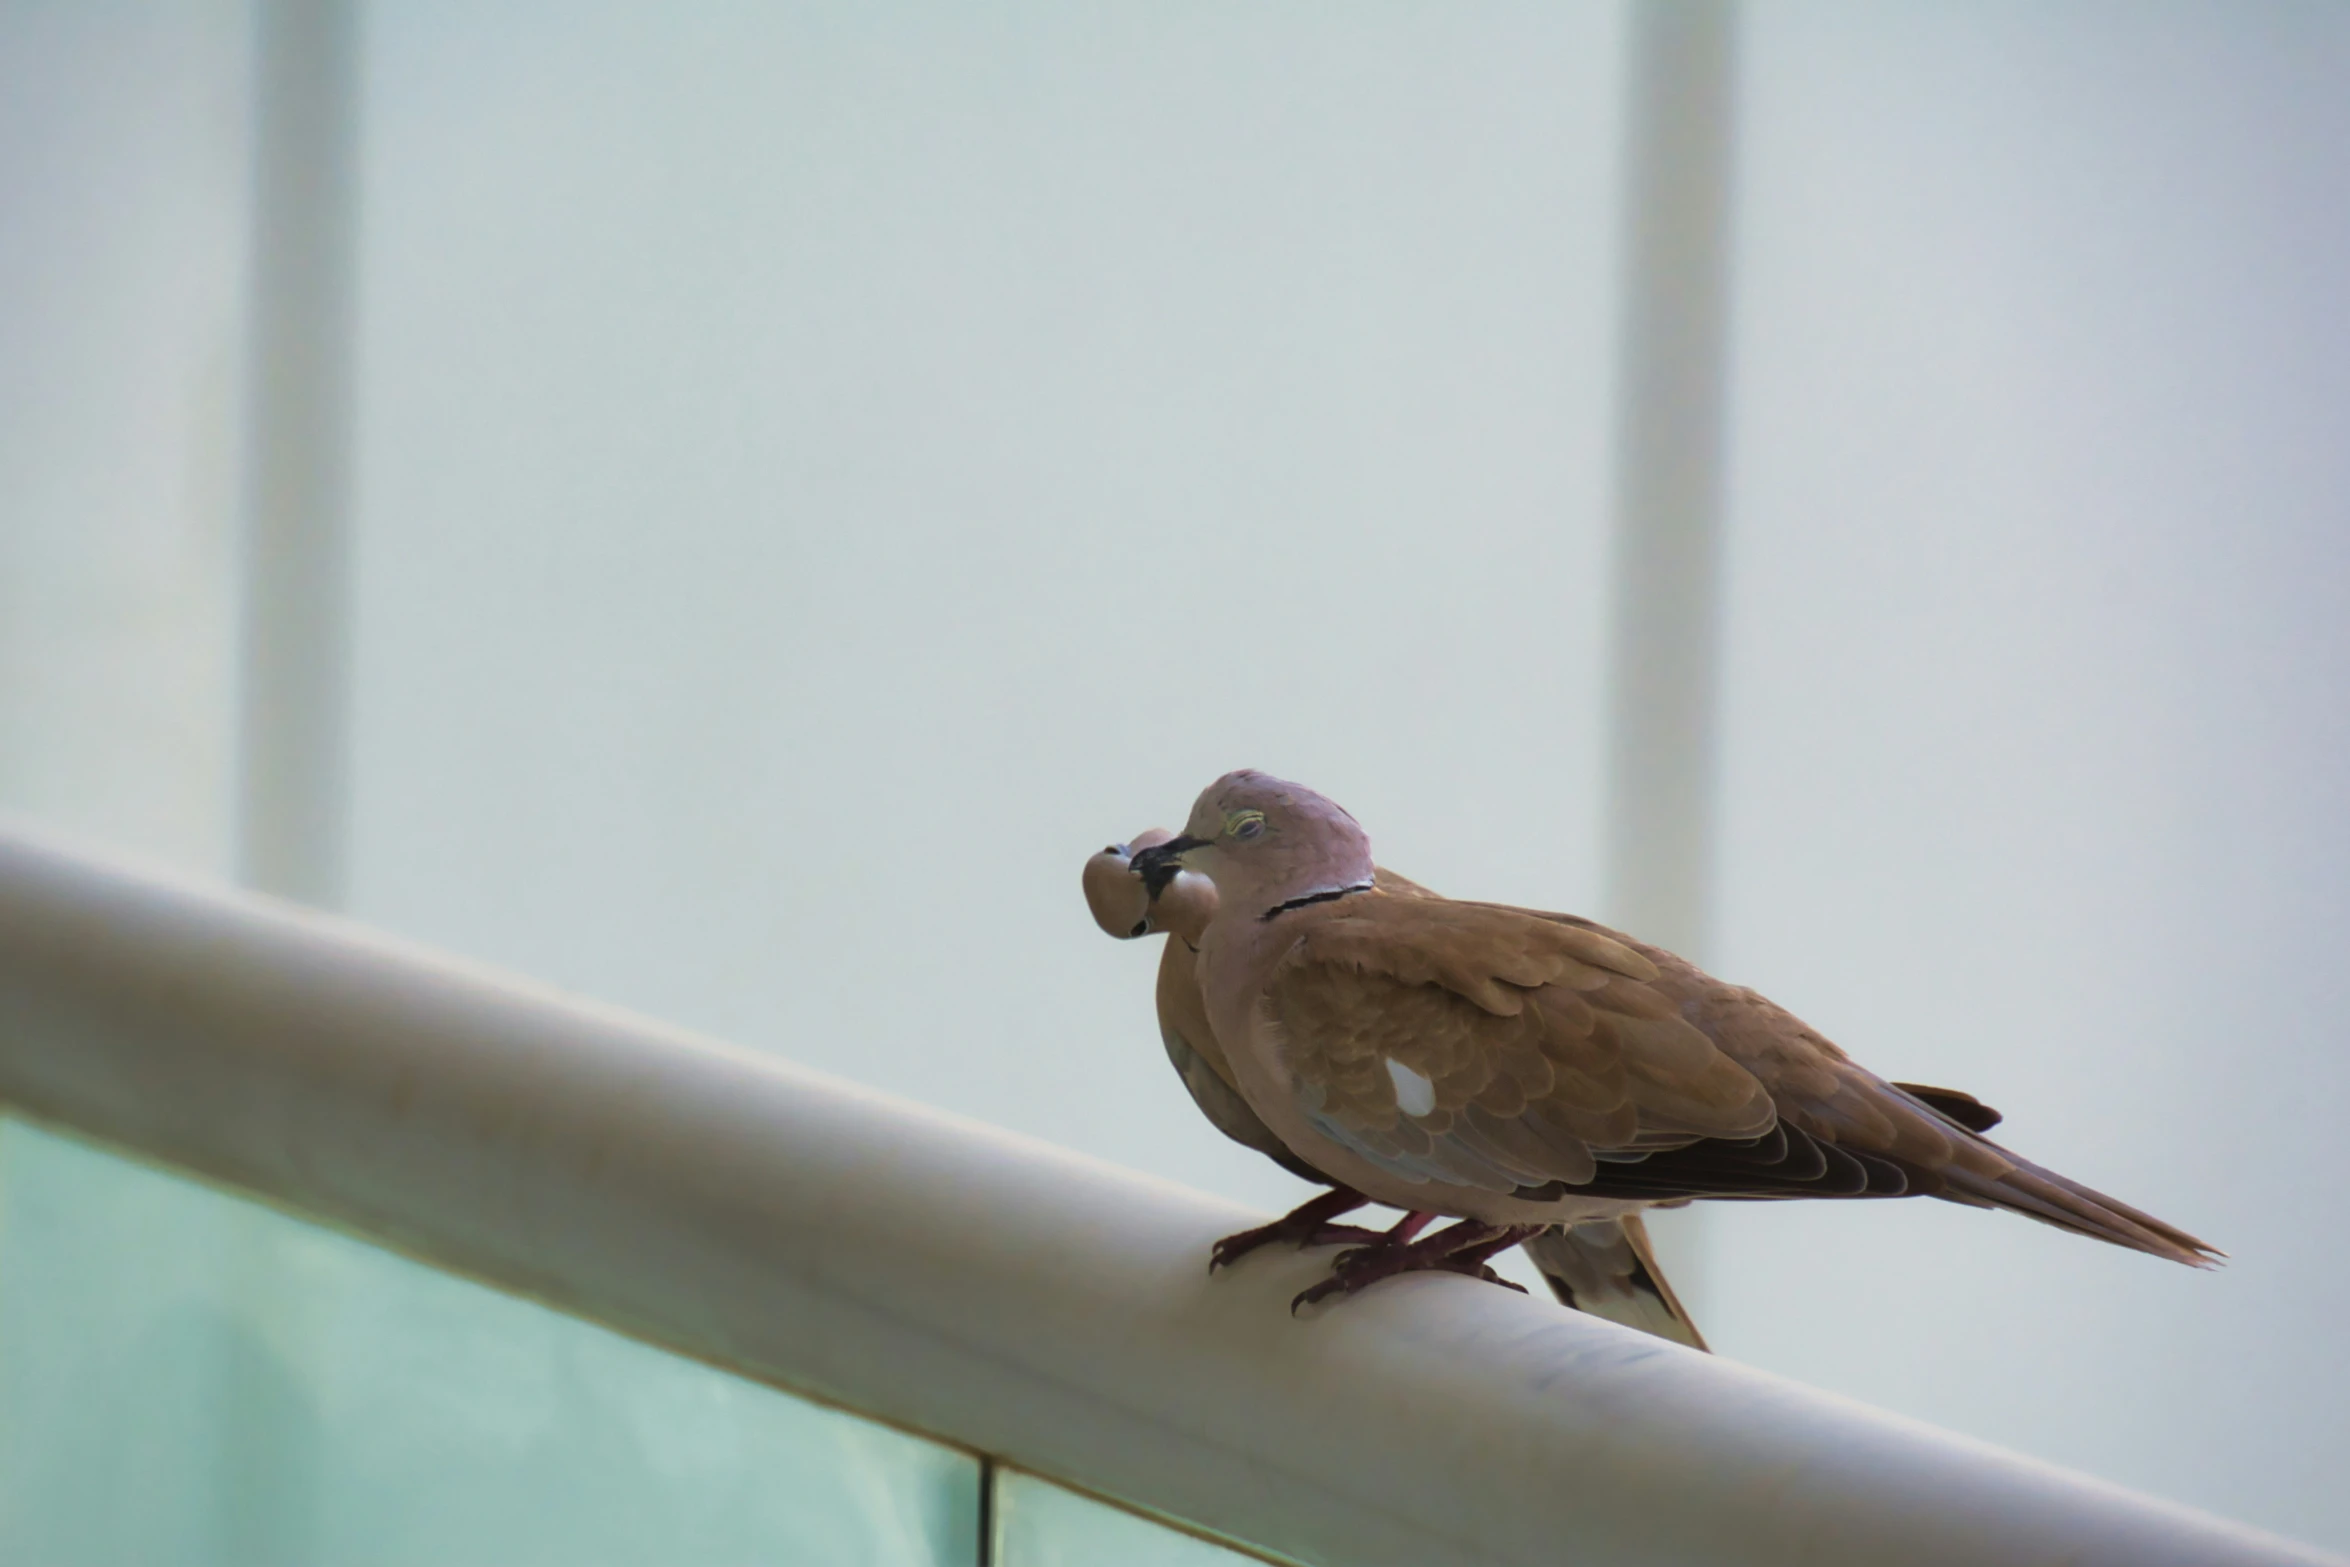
293 723
1669 453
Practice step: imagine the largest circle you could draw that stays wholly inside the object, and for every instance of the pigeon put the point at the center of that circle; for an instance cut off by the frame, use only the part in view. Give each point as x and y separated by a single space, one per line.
1516 1071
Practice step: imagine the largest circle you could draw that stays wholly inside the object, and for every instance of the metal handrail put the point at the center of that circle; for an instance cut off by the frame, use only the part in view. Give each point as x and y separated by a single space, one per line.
952 1278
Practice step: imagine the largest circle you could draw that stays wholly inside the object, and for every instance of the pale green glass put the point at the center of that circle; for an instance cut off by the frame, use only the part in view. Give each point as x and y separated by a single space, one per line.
1040 1524
189 1378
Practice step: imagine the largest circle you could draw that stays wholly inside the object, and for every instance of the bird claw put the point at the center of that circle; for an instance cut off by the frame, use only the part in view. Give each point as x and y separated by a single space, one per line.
1338 1235
1232 1248
1450 1251
1316 1294
1308 1225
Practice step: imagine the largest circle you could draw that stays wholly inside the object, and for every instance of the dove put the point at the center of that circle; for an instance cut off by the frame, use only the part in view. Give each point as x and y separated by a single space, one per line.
1515 1070
1605 1267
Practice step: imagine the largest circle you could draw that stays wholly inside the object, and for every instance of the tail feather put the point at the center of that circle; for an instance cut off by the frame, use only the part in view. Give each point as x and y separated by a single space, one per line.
1607 1268
2040 1193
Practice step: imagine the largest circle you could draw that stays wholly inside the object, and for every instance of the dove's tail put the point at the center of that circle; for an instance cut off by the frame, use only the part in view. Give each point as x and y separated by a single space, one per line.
1606 1267
2039 1193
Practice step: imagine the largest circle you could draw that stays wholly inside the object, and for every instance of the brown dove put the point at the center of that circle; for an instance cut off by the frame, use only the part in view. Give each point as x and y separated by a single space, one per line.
1605 1267
1516 1070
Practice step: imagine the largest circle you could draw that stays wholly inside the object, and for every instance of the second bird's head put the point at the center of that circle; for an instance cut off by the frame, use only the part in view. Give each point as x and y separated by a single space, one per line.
1263 842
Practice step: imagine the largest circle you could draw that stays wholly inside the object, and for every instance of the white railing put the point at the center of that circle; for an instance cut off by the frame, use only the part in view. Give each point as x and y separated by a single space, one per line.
948 1277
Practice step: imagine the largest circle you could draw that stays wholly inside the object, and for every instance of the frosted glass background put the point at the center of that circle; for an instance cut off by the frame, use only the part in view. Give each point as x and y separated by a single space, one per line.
822 471
122 252
826 471
320 1403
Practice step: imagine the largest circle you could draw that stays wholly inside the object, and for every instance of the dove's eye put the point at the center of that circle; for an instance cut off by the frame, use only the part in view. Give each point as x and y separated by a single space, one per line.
1245 825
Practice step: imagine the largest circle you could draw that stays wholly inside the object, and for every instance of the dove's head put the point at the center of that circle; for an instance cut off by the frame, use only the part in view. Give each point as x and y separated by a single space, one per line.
1263 842
1126 907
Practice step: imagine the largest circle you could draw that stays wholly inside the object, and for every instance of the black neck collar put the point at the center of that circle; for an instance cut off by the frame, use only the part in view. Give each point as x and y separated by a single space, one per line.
1331 895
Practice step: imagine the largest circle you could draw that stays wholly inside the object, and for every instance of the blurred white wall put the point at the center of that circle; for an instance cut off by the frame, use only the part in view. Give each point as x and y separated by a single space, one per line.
122 243
2037 746
824 472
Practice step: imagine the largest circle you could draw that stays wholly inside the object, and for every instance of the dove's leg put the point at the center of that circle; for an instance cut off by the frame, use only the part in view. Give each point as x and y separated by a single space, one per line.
1472 1259
1304 1228
1401 1232
1309 1225
1460 1248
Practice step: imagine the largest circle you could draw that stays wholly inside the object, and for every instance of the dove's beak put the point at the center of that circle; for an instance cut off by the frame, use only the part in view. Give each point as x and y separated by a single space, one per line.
1158 864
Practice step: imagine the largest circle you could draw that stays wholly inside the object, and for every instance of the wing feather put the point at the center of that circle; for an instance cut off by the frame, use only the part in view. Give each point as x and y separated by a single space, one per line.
1540 1042
1565 1057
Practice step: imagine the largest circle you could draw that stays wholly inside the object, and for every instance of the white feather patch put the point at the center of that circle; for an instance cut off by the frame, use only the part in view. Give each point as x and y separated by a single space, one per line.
1414 1094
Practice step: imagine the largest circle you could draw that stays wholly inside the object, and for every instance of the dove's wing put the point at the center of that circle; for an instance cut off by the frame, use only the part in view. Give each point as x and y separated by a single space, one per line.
1845 1132
1477 1047
1508 1050
1919 1142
